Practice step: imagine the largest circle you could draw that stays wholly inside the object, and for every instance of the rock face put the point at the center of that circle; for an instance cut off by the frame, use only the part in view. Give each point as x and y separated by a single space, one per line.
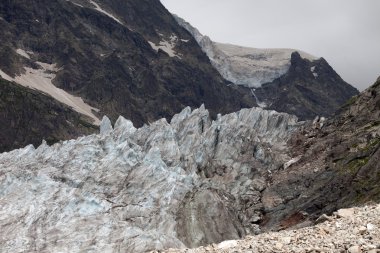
308 89
28 117
337 165
188 183
284 80
111 58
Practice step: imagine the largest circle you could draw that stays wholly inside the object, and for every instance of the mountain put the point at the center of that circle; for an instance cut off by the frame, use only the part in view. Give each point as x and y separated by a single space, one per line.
309 89
133 58
112 58
174 174
191 182
284 80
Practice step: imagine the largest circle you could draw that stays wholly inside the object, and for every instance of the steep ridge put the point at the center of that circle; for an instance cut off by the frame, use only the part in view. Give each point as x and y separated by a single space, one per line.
335 166
191 182
121 57
28 116
285 80
308 89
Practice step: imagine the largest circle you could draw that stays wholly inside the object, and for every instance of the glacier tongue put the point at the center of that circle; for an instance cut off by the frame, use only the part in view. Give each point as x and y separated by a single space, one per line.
129 190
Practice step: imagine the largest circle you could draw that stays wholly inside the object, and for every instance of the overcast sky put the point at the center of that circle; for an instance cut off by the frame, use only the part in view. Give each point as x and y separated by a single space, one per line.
345 32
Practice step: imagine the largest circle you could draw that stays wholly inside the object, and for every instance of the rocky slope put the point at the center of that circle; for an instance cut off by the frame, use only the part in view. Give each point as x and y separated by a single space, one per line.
352 230
189 182
337 164
110 58
23 110
285 80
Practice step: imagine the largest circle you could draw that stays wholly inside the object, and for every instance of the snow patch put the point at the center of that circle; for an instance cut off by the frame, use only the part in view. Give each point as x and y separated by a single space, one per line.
41 79
75 3
315 74
78 5
23 53
167 46
227 244
260 104
6 76
291 162
98 8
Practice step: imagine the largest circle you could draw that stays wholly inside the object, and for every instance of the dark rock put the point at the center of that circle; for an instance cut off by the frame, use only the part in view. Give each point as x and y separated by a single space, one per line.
351 142
300 93
112 65
28 117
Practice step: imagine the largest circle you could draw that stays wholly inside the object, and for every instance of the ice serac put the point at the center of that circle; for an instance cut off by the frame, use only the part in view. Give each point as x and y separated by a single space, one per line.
189 182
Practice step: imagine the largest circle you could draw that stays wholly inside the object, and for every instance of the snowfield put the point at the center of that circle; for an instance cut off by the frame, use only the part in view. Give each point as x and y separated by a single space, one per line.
41 79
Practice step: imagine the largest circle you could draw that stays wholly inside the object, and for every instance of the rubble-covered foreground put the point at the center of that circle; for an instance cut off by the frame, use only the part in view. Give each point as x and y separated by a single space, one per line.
351 230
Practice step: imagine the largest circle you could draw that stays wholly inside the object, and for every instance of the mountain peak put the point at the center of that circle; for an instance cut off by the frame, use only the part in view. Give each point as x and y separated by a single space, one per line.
285 80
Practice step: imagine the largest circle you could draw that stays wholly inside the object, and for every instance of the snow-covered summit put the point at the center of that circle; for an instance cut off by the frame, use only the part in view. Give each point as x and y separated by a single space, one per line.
250 67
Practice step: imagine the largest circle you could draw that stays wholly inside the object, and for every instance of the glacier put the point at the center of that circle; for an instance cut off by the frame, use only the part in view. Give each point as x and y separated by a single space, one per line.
249 67
134 190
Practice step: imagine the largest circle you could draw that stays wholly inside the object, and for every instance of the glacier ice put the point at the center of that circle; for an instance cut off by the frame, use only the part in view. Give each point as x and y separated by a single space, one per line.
250 67
122 190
